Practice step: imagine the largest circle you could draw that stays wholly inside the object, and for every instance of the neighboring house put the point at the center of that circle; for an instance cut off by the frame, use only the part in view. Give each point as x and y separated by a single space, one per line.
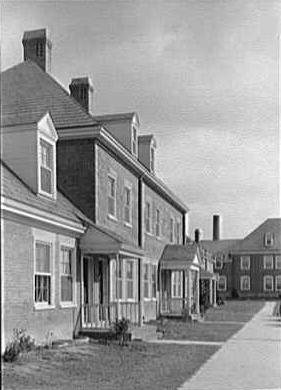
249 267
51 140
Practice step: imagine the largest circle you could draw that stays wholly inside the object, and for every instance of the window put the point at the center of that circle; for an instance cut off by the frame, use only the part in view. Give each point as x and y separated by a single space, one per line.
130 279
245 262
219 262
134 141
148 217
178 232
66 272
46 167
157 226
154 280
268 262
222 283
146 281
111 196
152 159
177 284
128 206
42 273
268 283
171 230
245 283
268 239
119 278
278 262
278 282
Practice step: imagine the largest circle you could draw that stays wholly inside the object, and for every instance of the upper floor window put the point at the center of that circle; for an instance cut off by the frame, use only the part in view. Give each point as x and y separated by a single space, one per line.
178 232
66 274
278 262
148 217
268 262
171 230
268 283
111 196
157 226
152 159
128 205
43 282
268 239
222 283
245 283
130 279
46 167
245 262
134 141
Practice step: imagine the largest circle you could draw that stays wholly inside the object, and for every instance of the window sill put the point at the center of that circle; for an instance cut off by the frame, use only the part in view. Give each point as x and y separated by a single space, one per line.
44 307
149 299
67 305
149 234
112 217
45 195
128 224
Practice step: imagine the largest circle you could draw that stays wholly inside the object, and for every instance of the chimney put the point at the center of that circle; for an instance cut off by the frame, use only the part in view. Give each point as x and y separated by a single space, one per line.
197 236
37 48
81 89
216 227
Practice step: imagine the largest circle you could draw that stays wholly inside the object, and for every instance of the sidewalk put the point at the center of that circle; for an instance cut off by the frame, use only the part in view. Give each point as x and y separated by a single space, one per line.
251 359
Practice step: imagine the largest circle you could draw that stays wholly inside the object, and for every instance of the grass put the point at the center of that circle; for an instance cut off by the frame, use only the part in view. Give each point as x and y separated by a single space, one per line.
238 312
94 366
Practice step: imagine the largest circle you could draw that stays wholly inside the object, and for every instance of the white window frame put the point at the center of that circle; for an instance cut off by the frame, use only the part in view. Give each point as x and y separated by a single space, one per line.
243 266
148 218
265 258
120 278
222 277
277 261
45 238
128 187
69 244
264 283
112 176
146 281
177 282
242 279
268 239
158 223
52 169
171 230
276 282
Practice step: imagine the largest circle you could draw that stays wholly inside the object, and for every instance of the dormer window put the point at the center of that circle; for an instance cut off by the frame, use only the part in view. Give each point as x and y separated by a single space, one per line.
46 166
134 141
268 239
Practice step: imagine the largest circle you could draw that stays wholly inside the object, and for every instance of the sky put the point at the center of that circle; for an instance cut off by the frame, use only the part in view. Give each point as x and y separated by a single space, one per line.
203 78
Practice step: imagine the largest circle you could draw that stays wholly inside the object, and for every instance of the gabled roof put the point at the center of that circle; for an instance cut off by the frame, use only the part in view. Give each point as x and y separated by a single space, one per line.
115 117
179 256
28 90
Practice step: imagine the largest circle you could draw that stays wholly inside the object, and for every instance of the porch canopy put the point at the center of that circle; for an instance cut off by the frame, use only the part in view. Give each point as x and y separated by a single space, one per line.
207 275
99 240
179 258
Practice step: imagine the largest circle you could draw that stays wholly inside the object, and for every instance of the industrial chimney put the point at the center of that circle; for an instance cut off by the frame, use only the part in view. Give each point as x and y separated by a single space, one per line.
216 227
37 48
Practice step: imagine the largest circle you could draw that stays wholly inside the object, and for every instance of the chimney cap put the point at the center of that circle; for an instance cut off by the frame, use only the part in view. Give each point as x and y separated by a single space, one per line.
82 81
41 33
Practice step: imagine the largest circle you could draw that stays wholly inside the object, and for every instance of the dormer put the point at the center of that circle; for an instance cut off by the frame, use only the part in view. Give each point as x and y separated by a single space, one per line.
30 151
146 151
268 239
124 128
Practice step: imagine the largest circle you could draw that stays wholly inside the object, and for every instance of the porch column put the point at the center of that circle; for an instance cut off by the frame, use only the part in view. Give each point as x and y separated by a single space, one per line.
82 287
117 287
211 291
197 293
215 292
183 289
140 263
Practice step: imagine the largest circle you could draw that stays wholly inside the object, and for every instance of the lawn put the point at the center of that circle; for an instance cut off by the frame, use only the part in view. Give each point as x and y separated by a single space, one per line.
227 320
95 366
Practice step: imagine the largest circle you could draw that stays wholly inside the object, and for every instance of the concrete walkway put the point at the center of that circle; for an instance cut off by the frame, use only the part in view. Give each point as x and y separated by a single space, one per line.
250 360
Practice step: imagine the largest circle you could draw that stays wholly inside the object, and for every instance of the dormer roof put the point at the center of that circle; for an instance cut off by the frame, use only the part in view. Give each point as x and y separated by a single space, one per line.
117 117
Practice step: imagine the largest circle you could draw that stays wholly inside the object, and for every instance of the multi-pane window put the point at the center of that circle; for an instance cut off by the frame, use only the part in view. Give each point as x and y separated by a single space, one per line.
219 263
268 239
157 226
146 281
130 279
177 284
66 274
42 273
152 159
128 205
245 262
148 217
134 141
178 232
245 283
46 167
268 283
153 280
268 262
119 278
278 282
111 196
222 283
278 262
171 230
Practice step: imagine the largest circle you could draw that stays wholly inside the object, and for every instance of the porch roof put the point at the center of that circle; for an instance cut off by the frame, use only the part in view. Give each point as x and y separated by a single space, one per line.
179 257
99 240
204 274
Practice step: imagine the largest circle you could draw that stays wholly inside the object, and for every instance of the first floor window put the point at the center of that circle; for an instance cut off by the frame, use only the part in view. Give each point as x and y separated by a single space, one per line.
268 283
66 271
245 283
222 283
245 262
146 281
154 280
176 284
278 282
130 279
148 217
268 262
119 278
42 273
278 262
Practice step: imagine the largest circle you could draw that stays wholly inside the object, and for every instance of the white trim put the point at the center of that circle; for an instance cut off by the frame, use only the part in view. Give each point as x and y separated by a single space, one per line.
112 175
68 243
267 257
277 259
178 283
223 277
277 277
242 278
149 202
19 208
264 283
242 259
128 186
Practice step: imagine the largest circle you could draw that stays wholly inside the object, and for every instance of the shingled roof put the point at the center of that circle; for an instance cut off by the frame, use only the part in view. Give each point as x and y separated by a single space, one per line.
26 89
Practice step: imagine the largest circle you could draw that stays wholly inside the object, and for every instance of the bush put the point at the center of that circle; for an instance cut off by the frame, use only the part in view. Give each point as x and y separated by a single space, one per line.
121 329
21 343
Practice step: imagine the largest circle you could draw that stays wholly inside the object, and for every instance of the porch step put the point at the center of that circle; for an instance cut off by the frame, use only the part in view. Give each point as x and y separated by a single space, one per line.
101 334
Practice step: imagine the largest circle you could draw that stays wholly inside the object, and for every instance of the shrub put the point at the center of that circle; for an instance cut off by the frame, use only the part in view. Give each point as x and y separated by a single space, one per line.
21 342
121 329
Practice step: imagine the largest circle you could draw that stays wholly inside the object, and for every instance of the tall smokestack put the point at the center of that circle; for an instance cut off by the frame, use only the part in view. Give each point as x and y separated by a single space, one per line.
216 227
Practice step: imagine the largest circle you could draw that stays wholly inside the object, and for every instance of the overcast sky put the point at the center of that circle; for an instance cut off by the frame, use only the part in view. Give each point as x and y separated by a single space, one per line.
202 76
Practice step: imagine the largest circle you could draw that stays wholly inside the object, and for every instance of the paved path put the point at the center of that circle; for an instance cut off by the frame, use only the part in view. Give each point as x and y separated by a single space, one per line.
249 360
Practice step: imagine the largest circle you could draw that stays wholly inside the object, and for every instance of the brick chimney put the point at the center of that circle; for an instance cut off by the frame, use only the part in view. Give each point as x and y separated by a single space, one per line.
37 48
81 89
216 227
